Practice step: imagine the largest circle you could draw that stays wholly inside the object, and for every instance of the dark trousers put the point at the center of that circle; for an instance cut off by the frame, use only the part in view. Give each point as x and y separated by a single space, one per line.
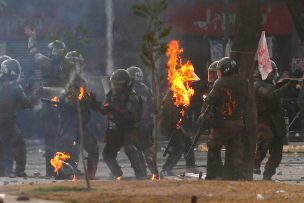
7 161
128 138
180 145
50 122
229 135
146 148
267 141
11 135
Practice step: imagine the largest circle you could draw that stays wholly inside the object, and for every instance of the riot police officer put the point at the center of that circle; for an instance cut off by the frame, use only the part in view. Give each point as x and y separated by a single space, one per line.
123 109
51 72
227 99
12 99
6 165
271 128
69 121
146 140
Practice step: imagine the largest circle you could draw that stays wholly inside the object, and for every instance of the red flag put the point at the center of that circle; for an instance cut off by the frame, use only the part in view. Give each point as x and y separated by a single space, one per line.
263 57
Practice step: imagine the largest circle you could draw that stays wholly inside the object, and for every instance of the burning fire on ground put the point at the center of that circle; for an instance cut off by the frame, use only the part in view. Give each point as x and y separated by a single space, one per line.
118 178
57 161
180 76
154 177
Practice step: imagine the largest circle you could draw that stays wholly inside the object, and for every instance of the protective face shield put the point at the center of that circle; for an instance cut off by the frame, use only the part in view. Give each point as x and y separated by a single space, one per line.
56 49
135 73
3 58
227 66
275 70
212 73
274 74
10 69
120 81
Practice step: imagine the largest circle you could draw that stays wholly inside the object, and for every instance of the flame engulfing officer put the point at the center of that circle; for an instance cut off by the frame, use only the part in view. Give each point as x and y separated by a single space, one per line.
271 128
50 72
69 122
123 108
12 99
227 98
145 139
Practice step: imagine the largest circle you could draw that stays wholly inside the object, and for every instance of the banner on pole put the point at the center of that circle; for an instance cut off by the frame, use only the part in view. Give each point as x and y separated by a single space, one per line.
263 57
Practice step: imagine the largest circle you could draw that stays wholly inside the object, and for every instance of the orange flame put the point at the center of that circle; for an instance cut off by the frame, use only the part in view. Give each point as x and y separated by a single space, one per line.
231 103
81 93
55 99
180 76
118 178
74 178
57 161
154 177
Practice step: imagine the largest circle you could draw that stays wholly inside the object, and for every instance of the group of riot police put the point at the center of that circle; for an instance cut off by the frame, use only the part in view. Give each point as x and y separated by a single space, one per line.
128 107
227 98
65 112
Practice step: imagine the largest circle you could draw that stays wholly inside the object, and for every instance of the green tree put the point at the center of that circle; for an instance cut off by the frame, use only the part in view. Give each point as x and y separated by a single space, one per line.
153 48
75 39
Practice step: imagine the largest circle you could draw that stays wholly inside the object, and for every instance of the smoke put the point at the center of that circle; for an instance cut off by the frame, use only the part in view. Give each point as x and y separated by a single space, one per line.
109 35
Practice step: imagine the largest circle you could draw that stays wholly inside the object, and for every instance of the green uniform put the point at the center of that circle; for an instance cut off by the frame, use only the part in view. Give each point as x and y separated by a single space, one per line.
123 111
271 127
227 98
12 99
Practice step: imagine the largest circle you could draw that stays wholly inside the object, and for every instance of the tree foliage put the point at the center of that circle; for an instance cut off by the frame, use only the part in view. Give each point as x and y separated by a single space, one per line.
154 44
75 39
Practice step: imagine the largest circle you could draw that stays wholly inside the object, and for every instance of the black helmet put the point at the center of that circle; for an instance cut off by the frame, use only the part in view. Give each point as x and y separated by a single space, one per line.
120 81
135 73
10 69
56 48
227 66
121 76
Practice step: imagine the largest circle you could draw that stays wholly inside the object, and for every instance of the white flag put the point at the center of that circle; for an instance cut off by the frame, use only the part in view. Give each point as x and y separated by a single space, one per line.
263 57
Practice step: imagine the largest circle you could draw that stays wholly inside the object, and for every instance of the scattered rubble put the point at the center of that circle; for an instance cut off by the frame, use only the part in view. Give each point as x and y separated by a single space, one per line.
23 197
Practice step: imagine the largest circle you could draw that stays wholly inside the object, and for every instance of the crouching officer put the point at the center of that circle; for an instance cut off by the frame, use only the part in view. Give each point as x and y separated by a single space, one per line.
123 108
12 99
227 98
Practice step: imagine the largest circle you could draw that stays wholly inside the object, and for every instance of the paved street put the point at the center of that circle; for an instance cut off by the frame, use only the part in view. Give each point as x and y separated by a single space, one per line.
290 170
